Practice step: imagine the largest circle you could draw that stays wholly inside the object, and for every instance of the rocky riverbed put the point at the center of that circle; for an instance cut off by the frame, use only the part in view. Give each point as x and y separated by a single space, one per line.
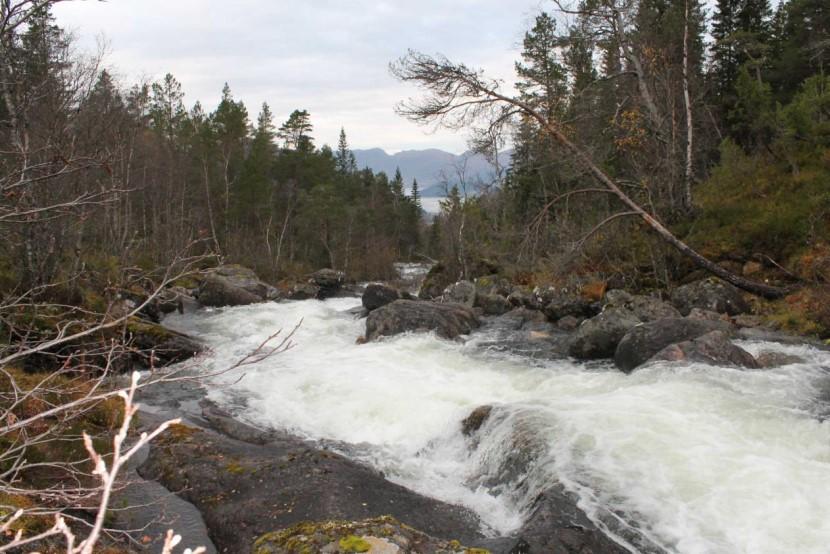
628 423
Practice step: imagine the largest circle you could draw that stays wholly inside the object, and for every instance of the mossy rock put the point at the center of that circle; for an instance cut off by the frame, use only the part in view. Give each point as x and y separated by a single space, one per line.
355 536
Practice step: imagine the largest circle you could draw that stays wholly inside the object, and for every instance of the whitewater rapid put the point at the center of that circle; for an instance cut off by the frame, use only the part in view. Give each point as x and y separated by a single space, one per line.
696 459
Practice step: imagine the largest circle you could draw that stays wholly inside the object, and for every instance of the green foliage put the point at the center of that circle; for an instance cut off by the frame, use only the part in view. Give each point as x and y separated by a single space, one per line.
753 204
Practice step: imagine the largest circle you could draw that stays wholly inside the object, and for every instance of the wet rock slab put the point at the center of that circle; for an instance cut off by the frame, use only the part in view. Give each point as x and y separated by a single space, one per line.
246 490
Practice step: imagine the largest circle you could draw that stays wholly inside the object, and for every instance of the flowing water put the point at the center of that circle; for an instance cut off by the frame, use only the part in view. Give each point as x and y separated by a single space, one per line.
695 459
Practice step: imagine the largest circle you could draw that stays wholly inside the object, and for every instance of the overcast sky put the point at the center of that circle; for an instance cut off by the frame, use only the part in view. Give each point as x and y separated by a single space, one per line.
327 56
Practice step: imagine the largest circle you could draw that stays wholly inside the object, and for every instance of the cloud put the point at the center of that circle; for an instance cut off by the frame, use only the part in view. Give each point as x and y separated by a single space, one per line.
329 57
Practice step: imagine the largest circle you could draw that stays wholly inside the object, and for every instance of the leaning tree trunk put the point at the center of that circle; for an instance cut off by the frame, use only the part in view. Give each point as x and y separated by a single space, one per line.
761 289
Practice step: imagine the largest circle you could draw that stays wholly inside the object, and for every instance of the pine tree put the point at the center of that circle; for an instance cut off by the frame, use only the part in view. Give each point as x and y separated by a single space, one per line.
416 195
396 186
295 132
344 157
543 82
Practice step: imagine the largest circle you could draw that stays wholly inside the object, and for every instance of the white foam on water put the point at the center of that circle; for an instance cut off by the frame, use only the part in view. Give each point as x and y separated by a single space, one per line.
702 459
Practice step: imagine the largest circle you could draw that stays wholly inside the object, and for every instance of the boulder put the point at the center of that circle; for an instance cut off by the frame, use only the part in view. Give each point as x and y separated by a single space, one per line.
644 341
709 294
157 346
304 291
568 323
563 305
446 319
713 348
437 279
492 304
521 298
493 284
233 285
598 337
462 292
645 308
697 313
377 295
329 282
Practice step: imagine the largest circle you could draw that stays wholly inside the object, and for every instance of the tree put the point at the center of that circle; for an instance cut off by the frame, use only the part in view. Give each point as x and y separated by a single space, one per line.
255 180
345 158
230 122
295 132
459 96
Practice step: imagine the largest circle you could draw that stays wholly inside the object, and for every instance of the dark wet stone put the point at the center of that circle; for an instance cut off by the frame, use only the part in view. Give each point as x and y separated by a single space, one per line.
644 341
713 348
447 320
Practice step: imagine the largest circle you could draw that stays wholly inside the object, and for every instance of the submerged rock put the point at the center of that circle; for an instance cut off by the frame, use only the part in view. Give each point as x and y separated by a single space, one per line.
645 340
234 285
771 358
713 348
709 294
556 524
447 320
475 420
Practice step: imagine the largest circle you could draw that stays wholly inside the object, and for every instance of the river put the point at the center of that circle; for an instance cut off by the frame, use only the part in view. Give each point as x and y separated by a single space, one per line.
696 459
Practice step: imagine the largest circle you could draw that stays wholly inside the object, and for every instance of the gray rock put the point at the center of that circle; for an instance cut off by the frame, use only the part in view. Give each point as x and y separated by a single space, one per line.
598 337
556 524
568 323
157 346
328 281
770 359
378 294
446 319
697 313
492 304
328 278
521 298
437 279
234 285
709 294
304 291
644 308
713 348
567 305
475 420
644 341
264 488
462 292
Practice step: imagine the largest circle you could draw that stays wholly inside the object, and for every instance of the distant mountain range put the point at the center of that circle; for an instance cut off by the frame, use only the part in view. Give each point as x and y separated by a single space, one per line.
434 169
